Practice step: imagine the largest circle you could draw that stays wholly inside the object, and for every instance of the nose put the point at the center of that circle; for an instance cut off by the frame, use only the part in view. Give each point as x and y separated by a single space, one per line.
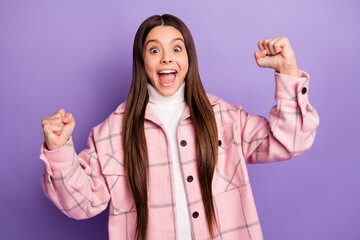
166 58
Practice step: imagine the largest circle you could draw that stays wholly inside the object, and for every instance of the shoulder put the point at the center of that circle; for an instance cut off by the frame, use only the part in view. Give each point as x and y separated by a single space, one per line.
225 113
120 109
220 104
111 125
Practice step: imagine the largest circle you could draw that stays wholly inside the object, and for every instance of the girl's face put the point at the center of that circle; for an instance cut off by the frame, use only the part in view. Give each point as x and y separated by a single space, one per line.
165 58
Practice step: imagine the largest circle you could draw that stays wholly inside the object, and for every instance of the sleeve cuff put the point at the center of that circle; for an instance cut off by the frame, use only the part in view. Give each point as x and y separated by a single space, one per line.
292 88
59 159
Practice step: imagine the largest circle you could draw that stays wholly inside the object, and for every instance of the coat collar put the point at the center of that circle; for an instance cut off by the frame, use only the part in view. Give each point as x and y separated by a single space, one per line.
150 115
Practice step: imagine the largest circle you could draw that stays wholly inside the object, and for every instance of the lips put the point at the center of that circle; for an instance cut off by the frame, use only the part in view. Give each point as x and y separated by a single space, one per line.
167 77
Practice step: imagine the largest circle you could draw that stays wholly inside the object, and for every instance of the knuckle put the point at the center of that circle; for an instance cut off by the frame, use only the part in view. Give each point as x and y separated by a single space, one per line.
57 120
60 112
46 128
57 116
44 122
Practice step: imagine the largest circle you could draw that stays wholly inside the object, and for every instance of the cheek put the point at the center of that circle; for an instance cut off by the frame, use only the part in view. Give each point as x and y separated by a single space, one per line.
185 67
185 62
148 69
150 76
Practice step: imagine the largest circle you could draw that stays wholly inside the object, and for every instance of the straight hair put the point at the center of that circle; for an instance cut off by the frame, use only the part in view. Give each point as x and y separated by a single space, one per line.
136 159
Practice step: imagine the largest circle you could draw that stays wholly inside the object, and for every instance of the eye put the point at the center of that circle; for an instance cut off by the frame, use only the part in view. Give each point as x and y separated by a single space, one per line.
154 50
177 49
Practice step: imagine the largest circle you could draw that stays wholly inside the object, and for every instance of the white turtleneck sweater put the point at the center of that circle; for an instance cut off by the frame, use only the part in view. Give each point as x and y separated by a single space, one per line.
169 110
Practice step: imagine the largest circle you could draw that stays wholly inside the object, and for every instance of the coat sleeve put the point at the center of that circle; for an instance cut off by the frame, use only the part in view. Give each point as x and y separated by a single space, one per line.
292 123
74 183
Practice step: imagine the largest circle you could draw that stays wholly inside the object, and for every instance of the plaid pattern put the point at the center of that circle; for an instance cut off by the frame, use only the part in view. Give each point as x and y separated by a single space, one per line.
81 186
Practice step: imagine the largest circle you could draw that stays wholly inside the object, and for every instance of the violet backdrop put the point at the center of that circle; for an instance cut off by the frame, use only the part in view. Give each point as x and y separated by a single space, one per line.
77 55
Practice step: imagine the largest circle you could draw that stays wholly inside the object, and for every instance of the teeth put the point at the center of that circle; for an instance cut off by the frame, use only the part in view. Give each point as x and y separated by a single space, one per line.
167 71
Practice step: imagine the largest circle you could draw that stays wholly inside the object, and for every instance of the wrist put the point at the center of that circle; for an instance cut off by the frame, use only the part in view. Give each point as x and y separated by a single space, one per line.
292 71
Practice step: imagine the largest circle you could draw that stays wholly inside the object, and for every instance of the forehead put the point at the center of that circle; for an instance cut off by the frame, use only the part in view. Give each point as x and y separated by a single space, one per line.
164 34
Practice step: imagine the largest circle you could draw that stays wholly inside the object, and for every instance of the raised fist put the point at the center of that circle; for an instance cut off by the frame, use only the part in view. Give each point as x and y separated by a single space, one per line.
277 54
57 129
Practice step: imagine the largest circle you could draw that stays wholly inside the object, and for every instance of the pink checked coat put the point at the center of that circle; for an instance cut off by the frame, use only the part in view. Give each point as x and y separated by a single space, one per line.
83 185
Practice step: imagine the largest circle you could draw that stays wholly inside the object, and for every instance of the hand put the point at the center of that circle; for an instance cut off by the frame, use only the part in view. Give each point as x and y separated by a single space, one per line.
277 54
57 129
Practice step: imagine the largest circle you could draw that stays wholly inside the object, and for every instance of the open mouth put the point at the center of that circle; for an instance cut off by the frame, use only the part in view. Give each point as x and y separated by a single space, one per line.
167 77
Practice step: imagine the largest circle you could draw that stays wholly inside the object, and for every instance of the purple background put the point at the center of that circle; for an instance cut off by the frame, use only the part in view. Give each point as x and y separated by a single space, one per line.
77 55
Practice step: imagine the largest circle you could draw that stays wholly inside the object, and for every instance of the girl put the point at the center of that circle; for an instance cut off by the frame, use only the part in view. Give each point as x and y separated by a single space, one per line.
171 159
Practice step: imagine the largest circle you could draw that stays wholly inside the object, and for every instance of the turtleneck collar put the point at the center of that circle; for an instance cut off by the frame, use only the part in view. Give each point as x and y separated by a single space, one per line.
155 97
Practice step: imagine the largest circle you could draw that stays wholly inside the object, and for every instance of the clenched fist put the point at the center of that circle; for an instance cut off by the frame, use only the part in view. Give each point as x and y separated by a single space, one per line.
277 54
57 129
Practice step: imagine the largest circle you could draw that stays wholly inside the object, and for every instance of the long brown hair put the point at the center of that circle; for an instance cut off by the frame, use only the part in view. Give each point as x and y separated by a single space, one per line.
202 115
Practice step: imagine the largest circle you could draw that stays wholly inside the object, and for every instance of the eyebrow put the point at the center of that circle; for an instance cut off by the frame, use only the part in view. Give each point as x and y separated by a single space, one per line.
157 41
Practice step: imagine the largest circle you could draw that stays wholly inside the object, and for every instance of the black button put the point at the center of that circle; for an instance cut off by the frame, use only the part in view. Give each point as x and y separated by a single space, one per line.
303 90
195 214
183 143
190 178
219 142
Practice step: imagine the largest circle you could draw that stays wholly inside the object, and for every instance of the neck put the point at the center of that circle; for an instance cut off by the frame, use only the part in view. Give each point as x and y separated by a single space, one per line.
155 97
